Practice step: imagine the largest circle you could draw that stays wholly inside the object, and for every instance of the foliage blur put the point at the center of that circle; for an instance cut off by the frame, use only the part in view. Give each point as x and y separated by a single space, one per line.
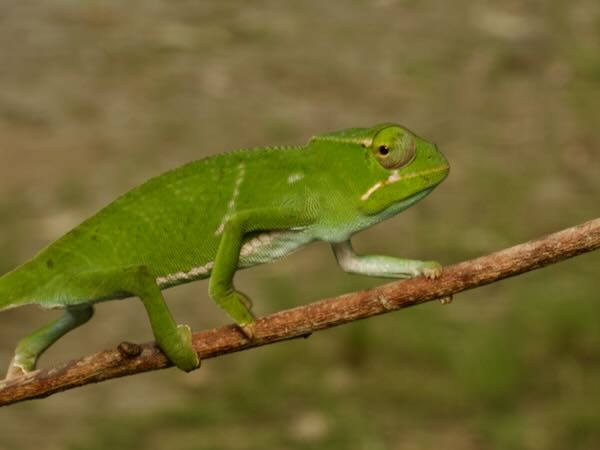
96 97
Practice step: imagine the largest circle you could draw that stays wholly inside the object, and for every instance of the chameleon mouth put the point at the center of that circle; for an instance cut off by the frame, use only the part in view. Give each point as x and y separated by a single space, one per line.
395 177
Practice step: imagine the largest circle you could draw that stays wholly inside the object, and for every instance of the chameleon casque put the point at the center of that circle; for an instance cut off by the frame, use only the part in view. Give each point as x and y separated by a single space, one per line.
214 216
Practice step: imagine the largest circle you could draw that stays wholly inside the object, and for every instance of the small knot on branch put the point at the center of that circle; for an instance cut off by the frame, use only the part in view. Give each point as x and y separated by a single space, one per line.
129 349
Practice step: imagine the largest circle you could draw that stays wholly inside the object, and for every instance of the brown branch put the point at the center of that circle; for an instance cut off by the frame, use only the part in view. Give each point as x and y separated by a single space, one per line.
129 359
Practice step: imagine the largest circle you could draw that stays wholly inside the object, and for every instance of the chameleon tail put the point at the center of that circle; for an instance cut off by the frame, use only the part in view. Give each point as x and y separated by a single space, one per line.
13 290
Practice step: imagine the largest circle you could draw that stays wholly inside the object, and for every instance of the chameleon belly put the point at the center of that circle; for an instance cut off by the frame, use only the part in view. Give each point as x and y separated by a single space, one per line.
271 245
261 248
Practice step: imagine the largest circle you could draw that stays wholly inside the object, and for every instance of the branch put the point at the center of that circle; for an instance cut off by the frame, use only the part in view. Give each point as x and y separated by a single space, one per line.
129 359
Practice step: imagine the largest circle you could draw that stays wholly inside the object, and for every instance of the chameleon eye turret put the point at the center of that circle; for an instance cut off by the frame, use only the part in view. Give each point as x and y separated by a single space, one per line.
394 147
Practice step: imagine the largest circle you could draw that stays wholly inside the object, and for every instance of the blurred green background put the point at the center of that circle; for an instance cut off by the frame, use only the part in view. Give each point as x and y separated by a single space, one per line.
96 97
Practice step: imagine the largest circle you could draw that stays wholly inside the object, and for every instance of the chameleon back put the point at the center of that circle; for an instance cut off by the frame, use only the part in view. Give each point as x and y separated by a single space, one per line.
171 224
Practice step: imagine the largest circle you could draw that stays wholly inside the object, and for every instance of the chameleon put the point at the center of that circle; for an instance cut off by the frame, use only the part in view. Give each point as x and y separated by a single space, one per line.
226 212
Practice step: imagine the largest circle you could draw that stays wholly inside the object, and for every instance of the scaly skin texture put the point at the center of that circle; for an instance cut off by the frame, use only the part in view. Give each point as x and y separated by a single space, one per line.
214 216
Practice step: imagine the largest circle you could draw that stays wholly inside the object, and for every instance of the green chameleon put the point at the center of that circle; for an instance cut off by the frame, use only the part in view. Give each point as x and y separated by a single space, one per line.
214 216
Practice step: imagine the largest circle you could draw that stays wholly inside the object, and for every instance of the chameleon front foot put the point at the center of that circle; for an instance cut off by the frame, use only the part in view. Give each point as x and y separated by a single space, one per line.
243 316
430 269
237 306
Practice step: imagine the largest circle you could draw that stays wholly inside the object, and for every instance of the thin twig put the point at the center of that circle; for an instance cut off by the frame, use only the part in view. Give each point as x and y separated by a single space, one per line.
129 359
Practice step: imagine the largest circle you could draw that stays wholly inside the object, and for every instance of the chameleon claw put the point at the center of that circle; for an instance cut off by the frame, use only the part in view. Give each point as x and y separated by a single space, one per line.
431 270
249 330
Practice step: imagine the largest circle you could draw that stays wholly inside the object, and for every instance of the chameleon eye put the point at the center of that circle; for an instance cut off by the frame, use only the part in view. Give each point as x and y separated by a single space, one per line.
384 150
396 147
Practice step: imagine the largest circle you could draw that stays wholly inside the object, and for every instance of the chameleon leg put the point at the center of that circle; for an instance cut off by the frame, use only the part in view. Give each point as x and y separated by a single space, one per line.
383 266
174 340
220 286
30 348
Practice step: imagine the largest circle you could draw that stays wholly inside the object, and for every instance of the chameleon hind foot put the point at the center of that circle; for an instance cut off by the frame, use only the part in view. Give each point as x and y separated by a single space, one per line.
181 351
174 340
15 370
30 348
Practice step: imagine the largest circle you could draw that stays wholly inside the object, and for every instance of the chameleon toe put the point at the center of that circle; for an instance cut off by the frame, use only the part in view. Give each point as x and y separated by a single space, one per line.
249 330
432 270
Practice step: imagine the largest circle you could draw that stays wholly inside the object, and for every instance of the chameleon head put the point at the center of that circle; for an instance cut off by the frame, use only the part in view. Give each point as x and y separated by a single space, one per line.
403 169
